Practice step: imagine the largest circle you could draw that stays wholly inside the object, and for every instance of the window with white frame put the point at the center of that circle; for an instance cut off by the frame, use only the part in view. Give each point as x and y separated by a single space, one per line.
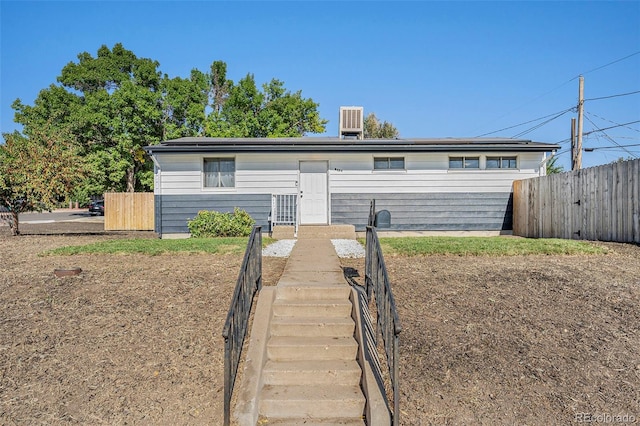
388 163
464 162
502 162
219 172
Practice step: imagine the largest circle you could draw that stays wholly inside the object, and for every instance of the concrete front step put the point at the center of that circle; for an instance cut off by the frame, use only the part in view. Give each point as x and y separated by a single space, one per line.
327 231
295 348
311 402
312 308
311 326
312 373
314 422
315 231
314 292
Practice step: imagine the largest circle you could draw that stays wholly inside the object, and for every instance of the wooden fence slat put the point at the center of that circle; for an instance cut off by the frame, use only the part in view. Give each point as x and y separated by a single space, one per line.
125 211
599 203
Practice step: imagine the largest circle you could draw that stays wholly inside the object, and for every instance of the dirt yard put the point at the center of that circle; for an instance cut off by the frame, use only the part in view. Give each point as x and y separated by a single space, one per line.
137 339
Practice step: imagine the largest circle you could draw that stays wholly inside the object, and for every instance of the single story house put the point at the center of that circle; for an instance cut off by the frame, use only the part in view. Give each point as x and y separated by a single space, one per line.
425 184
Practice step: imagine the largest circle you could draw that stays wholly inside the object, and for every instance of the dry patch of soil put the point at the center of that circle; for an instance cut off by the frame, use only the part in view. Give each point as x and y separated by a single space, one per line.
518 340
132 339
137 339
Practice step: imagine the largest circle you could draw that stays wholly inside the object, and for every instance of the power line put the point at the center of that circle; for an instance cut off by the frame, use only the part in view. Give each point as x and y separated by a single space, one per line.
610 127
563 141
613 96
612 140
610 147
606 65
541 124
558 87
526 122
613 122
635 138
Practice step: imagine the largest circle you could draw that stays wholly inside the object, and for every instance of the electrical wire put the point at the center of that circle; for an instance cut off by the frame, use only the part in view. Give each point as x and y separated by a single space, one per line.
613 96
610 127
611 147
612 122
610 139
537 126
558 87
606 65
527 122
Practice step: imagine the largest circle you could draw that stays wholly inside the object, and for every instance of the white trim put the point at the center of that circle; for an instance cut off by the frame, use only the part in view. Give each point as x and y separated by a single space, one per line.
325 172
205 188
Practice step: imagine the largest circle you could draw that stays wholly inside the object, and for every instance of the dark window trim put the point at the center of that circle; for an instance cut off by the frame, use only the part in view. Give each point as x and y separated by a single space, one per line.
219 186
500 159
389 163
464 160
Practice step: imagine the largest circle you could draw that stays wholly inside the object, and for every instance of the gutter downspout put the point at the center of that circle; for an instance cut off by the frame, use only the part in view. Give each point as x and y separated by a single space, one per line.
542 165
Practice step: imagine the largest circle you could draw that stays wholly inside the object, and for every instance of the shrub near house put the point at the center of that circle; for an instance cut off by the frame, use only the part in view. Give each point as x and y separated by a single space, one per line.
209 224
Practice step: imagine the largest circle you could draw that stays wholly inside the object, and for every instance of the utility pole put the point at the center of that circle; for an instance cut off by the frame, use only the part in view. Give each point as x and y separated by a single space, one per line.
574 153
578 148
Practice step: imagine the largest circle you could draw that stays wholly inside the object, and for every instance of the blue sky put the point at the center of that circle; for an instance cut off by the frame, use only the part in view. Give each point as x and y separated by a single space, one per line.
433 69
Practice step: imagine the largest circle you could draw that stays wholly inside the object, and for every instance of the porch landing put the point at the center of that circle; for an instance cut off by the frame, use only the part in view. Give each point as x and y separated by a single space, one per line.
347 232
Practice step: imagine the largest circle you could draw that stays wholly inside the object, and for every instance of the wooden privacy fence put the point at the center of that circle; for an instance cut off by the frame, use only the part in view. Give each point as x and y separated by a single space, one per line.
599 203
128 211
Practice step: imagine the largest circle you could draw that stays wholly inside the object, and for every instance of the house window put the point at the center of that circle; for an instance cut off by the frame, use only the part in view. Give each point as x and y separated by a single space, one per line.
502 163
388 163
219 172
464 162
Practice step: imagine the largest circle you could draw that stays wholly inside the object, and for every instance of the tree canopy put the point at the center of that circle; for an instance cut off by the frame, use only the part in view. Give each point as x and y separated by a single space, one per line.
115 103
38 171
375 129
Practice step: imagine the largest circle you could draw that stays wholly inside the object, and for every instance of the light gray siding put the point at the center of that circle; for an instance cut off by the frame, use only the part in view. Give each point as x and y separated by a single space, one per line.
348 173
471 211
173 211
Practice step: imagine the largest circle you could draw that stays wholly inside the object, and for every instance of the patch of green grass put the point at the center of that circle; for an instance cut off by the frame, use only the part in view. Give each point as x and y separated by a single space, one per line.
486 246
155 247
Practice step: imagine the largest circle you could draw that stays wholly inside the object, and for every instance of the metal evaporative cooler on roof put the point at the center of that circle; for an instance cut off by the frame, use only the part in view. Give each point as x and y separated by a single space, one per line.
351 122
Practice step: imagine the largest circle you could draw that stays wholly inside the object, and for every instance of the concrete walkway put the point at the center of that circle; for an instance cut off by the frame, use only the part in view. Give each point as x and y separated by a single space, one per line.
302 364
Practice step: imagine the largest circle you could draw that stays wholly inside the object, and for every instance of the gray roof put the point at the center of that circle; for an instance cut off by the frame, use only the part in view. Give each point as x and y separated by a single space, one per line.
324 144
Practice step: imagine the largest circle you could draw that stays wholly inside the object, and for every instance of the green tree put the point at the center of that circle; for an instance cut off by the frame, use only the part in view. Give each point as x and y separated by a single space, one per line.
220 86
374 129
38 171
553 167
120 113
184 103
116 103
271 112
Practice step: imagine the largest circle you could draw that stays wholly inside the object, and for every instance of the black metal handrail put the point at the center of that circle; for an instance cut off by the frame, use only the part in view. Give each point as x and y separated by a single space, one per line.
235 328
388 322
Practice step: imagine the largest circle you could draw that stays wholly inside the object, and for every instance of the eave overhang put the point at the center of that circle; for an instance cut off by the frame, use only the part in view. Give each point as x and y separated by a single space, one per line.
335 145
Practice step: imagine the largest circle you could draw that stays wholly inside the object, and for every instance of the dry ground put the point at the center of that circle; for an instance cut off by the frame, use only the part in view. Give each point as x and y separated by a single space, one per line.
137 339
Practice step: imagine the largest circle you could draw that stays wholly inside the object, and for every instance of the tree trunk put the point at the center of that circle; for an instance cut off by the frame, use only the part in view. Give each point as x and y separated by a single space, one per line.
15 226
131 179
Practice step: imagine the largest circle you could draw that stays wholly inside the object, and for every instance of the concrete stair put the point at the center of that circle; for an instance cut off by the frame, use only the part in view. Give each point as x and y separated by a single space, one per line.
315 231
327 372
312 402
304 365
311 372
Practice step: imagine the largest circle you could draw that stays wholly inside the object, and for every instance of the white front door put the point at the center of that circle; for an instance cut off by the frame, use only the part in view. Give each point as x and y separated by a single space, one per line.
313 193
